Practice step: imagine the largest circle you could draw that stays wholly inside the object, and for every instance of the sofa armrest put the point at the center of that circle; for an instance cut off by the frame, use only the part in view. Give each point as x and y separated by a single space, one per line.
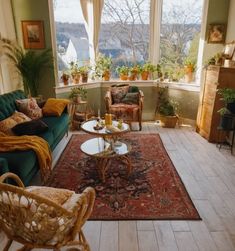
3 166
108 100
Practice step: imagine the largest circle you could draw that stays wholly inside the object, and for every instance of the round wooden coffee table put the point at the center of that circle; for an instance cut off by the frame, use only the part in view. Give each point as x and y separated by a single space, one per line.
106 146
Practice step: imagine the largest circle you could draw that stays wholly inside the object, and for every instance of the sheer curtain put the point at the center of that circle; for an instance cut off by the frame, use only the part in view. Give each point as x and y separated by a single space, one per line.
8 81
155 25
92 11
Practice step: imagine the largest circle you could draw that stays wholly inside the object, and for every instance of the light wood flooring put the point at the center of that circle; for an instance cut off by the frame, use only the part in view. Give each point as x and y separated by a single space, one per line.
209 176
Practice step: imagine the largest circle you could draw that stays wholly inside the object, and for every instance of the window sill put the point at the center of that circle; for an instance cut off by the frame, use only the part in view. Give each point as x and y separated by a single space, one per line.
194 87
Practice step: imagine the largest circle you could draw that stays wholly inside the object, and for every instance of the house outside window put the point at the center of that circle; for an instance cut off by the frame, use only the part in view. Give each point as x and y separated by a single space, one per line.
71 36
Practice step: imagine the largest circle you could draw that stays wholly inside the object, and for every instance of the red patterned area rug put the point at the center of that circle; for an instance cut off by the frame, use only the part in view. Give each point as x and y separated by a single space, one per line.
153 190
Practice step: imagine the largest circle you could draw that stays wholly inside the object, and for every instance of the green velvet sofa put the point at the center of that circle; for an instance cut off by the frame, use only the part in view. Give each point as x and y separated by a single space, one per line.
25 163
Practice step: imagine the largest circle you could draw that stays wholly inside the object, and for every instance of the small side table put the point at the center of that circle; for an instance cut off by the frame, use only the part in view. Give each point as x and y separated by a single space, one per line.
79 112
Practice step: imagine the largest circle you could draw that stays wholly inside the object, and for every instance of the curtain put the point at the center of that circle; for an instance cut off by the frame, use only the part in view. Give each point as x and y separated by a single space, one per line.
155 25
8 81
92 11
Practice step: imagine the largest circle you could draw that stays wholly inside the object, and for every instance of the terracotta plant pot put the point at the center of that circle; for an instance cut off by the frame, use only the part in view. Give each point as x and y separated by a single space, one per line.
124 77
106 76
133 76
65 81
144 75
84 78
168 121
189 77
76 78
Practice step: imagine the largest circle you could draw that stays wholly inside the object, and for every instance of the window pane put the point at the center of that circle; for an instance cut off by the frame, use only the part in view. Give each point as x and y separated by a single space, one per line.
71 35
125 31
180 33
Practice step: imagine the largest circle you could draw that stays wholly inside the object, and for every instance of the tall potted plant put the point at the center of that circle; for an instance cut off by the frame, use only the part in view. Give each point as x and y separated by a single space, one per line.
123 72
228 110
103 67
166 108
75 73
30 64
189 68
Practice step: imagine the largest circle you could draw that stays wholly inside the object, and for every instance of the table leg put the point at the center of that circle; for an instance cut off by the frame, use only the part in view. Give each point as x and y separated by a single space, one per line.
102 166
127 161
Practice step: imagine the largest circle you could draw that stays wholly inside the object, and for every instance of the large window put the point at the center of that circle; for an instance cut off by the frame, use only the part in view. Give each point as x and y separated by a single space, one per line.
124 31
179 38
71 36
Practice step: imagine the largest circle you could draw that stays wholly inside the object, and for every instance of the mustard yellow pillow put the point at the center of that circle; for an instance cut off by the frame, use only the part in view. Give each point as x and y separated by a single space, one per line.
54 107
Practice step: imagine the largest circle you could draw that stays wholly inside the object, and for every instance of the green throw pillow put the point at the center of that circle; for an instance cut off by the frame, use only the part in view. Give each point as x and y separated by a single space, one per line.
133 89
131 98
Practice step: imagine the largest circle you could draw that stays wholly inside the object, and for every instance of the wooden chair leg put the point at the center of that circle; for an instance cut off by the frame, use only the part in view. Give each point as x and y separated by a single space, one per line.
6 248
140 125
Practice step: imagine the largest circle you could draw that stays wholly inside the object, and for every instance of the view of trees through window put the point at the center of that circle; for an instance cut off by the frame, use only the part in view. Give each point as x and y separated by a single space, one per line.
180 33
124 34
125 31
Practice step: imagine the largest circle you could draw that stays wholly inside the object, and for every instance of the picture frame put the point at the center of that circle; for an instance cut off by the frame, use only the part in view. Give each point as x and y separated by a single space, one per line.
229 50
216 33
33 34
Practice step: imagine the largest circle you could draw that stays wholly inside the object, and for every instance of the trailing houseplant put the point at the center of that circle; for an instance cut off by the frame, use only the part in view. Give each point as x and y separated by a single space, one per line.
103 67
228 110
123 72
29 64
166 108
77 94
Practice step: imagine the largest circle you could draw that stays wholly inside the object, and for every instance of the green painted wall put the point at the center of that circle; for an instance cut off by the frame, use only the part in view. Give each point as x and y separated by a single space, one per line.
188 101
217 14
36 10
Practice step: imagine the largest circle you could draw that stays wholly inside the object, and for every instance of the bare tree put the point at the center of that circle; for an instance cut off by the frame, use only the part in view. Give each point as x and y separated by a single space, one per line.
128 22
180 25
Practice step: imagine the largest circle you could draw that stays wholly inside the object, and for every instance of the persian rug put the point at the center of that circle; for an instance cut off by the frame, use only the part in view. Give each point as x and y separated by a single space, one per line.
153 190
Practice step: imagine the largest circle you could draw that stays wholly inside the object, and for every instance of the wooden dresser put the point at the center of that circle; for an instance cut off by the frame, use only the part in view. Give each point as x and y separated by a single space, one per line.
208 116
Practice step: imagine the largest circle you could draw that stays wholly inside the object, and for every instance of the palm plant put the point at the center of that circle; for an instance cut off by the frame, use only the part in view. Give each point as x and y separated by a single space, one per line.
29 64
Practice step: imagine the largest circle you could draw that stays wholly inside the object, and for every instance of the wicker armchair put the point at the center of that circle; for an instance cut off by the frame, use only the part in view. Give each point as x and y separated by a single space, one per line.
128 112
39 222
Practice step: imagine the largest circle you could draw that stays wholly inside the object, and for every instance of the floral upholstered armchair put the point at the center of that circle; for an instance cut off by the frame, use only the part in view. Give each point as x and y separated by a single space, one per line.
125 102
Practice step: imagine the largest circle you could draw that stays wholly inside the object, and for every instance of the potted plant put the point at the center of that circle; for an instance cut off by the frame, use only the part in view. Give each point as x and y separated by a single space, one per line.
189 69
65 77
123 72
134 71
84 70
77 94
103 67
146 69
30 64
227 112
75 73
166 108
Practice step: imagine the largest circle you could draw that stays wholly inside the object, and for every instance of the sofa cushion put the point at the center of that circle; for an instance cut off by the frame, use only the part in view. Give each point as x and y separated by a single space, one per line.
29 107
118 93
7 124
7 103
32 127
54 107
131 98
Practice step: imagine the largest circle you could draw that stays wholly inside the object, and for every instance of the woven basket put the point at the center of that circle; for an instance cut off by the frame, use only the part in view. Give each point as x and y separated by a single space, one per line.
168 121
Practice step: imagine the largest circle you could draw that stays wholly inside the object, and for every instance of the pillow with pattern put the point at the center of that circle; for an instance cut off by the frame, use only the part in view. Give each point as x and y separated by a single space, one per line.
131 98
29 107
118 93
16 118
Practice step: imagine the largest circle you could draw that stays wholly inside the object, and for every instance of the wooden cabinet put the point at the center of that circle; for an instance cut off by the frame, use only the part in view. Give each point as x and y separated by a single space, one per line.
208 116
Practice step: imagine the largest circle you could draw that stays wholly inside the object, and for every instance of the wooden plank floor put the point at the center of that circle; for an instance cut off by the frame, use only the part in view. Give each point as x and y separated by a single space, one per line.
209 176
